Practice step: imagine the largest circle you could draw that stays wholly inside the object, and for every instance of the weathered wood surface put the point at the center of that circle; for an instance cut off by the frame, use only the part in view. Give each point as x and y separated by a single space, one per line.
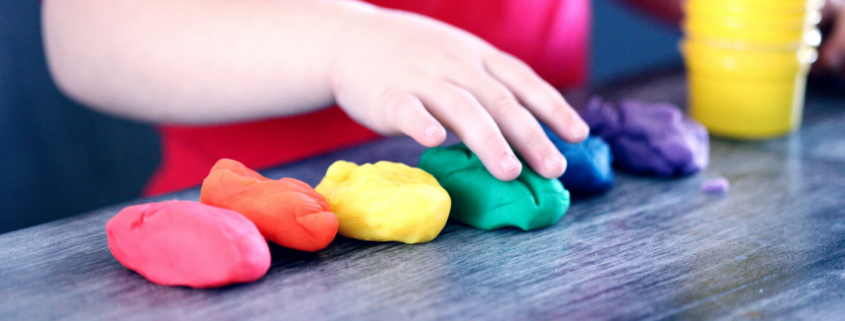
772 248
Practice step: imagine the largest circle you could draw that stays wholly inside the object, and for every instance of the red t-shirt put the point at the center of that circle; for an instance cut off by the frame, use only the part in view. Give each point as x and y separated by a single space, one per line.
550 35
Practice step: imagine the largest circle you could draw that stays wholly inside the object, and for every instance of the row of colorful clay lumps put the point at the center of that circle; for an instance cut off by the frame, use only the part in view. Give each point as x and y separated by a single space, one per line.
374 202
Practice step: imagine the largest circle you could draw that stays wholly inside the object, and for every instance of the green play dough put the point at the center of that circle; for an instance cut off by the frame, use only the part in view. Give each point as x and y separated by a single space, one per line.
482 201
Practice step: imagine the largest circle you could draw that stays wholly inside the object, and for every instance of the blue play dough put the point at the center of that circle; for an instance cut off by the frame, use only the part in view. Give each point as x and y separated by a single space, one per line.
588 170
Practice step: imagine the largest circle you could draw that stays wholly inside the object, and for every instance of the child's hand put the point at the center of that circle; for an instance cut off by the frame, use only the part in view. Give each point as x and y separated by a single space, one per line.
404 73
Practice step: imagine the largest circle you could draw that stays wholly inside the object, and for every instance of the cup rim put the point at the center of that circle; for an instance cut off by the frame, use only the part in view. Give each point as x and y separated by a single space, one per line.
756 36
811 38
711 23
762 21
772 60
764 5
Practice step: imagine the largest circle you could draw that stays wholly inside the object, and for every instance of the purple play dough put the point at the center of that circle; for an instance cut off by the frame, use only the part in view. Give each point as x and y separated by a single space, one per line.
649 138
715 186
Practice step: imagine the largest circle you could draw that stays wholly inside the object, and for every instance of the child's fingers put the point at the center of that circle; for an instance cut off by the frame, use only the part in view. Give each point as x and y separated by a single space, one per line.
463 114
406 113
518 125
542 99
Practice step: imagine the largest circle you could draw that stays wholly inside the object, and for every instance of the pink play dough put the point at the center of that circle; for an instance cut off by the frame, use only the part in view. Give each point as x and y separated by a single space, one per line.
182 243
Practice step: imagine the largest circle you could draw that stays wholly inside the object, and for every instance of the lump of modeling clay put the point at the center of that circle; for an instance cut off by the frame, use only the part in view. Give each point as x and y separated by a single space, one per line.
715 186
482 201
588 169
182 243
650 138
286 211
385 201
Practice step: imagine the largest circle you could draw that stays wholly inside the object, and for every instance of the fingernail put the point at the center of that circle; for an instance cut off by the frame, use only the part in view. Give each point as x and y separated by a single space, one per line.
581 130
552 163
509 163
431 130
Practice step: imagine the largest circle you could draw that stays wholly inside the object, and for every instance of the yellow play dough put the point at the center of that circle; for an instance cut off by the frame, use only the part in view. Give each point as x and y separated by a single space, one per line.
385 201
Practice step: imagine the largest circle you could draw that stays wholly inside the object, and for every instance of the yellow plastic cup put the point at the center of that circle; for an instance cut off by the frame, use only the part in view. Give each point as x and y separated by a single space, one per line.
754 19
700 28
746 94
756 30
765 5
747 110
810 39
746 64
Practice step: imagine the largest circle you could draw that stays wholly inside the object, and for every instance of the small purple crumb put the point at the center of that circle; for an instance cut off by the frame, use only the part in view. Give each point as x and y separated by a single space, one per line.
715 186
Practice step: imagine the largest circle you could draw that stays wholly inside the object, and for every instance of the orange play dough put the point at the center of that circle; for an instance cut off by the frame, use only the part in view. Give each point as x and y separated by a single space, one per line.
286 211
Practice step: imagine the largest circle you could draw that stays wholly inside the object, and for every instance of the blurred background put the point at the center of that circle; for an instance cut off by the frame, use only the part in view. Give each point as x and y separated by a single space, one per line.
627 42
58 159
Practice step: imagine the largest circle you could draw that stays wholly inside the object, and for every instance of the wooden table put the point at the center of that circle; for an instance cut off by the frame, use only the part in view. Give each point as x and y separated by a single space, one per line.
773 247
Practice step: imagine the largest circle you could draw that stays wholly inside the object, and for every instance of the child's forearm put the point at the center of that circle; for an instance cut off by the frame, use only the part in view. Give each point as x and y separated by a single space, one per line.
195 61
